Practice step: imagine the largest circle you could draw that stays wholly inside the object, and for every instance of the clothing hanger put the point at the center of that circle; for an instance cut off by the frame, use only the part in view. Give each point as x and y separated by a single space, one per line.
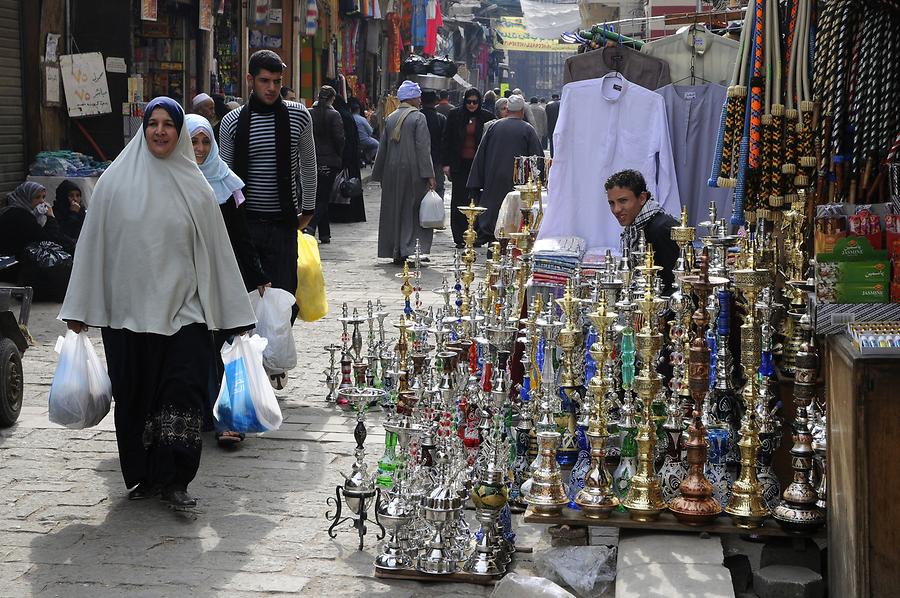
615 53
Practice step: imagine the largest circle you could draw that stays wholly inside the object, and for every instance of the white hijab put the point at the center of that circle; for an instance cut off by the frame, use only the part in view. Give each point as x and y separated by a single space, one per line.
154 254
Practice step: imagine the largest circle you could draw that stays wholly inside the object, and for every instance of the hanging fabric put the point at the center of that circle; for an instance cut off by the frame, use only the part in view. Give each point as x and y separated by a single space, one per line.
711 56
606 125
645 70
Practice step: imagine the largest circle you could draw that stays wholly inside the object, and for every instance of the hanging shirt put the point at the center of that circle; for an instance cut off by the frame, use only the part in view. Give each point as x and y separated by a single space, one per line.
643 69
693 114
713 56
604 126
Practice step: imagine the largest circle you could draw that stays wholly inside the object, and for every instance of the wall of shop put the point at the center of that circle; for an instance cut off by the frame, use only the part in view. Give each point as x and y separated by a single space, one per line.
12 134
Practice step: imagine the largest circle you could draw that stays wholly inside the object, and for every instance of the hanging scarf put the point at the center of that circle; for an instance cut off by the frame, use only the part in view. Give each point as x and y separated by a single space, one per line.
407 110
283 170
22 196
223 181
632 233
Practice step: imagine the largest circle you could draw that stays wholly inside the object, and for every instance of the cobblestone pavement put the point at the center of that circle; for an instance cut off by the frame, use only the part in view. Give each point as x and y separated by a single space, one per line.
67 529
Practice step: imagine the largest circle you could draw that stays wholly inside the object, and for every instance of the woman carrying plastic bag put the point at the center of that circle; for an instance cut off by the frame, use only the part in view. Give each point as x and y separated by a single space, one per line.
311 298
246 400
81 392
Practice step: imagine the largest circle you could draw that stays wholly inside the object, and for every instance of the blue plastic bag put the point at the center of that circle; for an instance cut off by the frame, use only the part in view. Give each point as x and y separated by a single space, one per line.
246 401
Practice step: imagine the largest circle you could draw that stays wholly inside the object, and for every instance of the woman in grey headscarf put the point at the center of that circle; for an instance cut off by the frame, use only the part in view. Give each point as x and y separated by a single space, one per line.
154 269
30 232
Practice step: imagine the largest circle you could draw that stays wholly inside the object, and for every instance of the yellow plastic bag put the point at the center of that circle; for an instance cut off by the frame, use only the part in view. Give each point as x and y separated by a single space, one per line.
310 282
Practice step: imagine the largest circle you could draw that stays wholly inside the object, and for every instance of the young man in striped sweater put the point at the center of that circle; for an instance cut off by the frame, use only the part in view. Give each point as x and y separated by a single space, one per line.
268 143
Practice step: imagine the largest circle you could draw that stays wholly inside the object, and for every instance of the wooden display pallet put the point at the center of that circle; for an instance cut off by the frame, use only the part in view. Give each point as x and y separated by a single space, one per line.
415 575
665 523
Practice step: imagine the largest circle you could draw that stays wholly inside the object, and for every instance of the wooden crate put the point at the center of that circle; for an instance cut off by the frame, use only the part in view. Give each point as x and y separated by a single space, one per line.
863 487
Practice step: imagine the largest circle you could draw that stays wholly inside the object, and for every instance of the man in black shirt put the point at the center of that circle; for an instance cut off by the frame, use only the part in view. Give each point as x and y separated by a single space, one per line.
436 123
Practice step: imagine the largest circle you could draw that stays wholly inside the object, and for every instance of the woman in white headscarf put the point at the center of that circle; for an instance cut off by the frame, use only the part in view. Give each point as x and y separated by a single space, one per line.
227 188
155 271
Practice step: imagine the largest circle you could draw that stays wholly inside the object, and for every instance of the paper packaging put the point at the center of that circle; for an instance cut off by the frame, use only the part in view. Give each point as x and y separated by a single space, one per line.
853 272
862 293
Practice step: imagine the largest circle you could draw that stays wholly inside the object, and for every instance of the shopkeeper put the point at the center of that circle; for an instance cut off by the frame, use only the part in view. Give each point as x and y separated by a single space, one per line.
636 211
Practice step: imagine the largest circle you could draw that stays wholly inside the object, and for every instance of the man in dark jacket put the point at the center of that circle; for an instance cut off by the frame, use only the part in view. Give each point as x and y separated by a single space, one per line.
444 106
328 129
436 124
462 136
552 111
631 204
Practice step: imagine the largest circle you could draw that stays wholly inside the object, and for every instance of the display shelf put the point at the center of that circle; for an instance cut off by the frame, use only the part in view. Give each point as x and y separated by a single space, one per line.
665 523
415 575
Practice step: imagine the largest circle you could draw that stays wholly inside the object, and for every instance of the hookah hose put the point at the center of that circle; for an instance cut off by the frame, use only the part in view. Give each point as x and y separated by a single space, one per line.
720 165
839 125
731 115
751 133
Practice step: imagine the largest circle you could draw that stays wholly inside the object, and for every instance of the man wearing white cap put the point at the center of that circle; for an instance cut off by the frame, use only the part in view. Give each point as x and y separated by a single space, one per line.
492 168
404 169
203 105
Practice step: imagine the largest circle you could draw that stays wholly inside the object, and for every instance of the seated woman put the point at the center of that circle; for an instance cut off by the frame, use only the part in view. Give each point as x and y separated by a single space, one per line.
30 232
69 209
636 211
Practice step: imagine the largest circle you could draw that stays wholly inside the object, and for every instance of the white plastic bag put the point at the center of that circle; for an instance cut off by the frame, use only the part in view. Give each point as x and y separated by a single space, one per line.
509 219
273 315
431 212
246 401
514 585
81 392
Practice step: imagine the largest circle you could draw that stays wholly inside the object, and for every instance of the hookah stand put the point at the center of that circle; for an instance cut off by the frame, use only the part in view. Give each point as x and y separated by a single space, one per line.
398 512
331 373
346 361
769 424
546 494
644 501
440 507
471 212
359 489
596 499
798 511
696 505
746 506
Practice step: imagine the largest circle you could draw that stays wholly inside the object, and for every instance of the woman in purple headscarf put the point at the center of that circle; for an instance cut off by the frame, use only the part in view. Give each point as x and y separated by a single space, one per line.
154 270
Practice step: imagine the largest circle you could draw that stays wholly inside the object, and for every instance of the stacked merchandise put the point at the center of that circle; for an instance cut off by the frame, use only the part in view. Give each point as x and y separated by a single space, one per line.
66 163
593 263
557 259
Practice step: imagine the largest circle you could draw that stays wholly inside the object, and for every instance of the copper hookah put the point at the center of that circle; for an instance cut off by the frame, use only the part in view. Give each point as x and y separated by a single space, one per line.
696 505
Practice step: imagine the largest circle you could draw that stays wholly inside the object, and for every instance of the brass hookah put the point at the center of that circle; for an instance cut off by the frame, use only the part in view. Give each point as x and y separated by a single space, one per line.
597 499
644 500
696 505
471 212
683 235
794 234
747 507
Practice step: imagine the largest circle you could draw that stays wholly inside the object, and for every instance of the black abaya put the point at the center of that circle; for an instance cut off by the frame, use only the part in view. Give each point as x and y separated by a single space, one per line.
160 384
355 211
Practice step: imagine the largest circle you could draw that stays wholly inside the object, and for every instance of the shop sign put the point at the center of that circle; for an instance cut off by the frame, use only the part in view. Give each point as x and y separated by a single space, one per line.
84 84
516 39
148 10
116 65
206 15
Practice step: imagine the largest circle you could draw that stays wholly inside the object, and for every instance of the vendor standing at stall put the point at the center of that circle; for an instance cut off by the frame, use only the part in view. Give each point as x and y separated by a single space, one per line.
636 211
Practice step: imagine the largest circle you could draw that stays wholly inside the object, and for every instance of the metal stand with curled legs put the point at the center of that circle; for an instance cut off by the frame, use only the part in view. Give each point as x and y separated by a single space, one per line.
359 487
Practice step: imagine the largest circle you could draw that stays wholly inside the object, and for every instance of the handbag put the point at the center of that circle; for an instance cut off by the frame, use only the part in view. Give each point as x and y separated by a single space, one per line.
345 188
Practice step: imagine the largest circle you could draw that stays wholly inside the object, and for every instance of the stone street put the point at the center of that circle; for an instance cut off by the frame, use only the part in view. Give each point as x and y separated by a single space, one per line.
67 528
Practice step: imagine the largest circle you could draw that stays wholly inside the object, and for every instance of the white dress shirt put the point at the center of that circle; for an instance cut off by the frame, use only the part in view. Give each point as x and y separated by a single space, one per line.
606 125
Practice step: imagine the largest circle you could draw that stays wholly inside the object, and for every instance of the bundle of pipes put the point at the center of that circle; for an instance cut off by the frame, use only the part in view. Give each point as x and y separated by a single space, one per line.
857 84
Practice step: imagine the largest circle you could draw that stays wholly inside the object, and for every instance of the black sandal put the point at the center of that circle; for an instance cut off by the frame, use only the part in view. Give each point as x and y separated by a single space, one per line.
229 440
142 491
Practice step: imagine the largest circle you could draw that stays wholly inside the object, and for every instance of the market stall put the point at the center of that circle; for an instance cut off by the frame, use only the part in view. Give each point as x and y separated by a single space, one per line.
565 378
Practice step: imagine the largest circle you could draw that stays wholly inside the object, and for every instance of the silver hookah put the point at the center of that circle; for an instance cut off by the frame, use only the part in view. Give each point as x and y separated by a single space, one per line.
331 380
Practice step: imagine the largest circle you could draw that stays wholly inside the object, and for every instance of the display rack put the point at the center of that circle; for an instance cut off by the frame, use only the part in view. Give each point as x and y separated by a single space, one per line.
665 523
